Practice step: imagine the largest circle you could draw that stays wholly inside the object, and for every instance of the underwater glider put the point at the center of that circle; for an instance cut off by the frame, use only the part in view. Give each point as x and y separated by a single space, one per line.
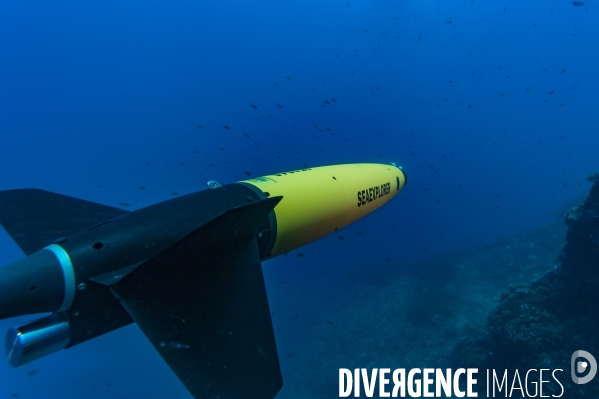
187 270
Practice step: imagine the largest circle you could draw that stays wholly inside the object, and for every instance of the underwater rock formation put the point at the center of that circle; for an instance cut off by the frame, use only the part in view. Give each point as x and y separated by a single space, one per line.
539 325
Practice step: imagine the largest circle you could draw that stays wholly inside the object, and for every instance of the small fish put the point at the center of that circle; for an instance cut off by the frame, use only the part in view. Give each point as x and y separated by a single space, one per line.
288 78
254 106
280 106
300 255
175 193
562 72
226 127
124 203
142 187
578 3
246 135
330 323
365 31
248 173
419 38
341 238
528 89
32 372
200 127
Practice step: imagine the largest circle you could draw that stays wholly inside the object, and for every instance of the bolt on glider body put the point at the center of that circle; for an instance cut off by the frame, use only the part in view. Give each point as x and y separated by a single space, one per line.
187 270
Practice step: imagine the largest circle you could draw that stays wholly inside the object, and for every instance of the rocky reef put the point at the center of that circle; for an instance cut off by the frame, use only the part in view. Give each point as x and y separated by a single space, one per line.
540 324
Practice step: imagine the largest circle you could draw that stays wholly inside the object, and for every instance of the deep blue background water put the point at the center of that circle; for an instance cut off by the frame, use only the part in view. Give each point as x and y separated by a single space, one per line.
491 108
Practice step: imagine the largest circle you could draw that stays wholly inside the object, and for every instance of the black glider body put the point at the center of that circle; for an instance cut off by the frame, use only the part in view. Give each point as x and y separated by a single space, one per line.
191 279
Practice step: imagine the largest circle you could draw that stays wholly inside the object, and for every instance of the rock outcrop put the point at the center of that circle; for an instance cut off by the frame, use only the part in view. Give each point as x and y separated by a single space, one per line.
540 325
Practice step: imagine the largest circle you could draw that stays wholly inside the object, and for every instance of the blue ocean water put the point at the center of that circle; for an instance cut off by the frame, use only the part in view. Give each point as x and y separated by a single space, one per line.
490 107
